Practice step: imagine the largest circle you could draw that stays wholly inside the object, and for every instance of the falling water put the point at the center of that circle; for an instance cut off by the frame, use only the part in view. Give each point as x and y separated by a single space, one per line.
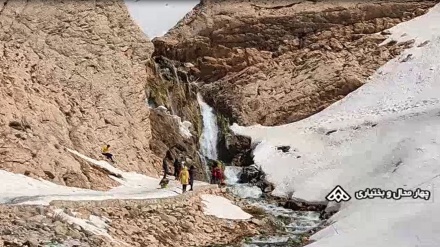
208 139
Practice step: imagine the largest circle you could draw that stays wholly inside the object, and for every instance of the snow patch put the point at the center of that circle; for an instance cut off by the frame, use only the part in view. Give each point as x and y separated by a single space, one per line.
184 128
20 189
223 208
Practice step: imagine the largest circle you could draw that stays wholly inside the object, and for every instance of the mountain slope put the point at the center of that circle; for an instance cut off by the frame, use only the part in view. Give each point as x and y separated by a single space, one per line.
73 75
276 62
384 135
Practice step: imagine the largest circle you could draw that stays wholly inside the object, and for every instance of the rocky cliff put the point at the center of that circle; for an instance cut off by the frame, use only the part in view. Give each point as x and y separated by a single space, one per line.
74 75
275 62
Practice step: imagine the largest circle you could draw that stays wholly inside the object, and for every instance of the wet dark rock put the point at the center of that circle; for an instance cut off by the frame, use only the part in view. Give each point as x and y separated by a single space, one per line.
265 186
330 132
299 205
251 174
254 175
233 149
284 149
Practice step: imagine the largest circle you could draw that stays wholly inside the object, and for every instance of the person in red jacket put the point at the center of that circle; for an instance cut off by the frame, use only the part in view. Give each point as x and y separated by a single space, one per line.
217 174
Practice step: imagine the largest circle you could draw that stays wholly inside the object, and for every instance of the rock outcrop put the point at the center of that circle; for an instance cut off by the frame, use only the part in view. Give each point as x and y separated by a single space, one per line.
175 115
73 74
277 62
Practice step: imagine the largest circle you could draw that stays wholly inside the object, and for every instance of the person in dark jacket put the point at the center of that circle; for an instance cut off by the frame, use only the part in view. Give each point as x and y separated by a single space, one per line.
192 171
166 171
177 168
165 168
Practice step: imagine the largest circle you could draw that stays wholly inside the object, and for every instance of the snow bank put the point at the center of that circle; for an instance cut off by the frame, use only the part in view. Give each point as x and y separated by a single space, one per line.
155 18
221 207
20 189
384 135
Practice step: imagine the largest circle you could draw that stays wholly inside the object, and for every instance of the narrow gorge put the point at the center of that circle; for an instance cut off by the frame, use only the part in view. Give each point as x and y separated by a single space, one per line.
226 83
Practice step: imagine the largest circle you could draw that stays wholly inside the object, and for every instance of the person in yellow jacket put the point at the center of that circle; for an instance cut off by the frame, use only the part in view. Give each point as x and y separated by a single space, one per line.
106 152
184 178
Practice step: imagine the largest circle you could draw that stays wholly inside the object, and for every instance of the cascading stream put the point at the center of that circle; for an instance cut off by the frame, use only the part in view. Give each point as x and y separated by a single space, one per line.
296 223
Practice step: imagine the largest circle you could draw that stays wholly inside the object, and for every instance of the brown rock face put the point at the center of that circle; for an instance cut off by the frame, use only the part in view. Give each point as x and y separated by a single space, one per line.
72 75
277 62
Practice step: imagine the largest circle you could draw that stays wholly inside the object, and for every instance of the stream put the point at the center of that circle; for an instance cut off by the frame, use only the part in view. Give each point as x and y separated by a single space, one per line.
294 223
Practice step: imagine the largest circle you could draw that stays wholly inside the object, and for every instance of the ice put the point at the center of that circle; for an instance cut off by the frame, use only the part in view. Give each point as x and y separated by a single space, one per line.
221 207
384 135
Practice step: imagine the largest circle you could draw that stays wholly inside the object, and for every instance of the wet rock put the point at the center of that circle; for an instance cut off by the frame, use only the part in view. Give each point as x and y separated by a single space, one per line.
298 205
251 174
330 132
284 149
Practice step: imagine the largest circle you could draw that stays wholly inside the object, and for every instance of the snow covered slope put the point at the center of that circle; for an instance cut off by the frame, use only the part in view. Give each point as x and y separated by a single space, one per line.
384 135
20 189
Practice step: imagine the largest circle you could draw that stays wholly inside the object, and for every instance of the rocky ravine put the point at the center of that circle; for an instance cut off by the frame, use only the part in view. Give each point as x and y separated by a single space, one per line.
75 75
275 62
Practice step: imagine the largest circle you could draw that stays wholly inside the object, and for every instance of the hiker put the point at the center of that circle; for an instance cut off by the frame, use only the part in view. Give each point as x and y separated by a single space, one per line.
105 152
192 170
184 177
165 165
177 167
164 183
217 174
165 168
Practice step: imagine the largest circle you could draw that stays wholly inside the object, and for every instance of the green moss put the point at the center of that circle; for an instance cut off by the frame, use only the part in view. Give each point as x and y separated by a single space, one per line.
223 124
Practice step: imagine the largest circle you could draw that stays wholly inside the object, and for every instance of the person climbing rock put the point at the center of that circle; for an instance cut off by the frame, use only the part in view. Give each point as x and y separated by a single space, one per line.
106 152
192 170
184 178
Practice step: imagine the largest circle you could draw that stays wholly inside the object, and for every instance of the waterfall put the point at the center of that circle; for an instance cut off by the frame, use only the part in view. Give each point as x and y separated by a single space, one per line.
208 139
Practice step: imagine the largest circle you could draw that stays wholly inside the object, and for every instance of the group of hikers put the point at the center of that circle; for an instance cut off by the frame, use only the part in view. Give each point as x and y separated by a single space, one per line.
181 171
187 176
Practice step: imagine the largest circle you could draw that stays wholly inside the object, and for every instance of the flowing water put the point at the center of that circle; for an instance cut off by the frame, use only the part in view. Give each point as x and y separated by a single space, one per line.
209 137
294 223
